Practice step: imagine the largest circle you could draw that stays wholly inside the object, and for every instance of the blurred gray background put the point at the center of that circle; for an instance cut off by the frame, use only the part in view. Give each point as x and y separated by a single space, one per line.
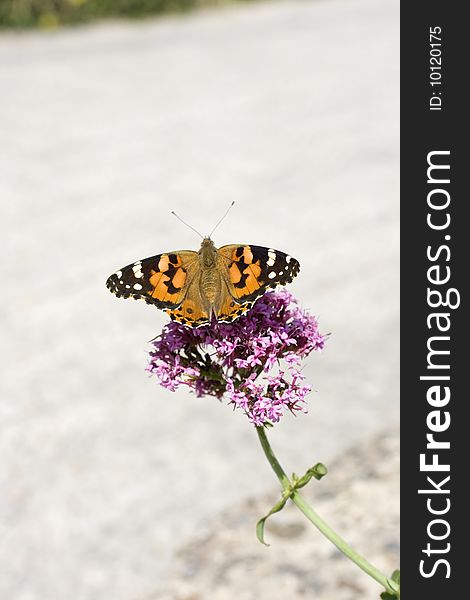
291 110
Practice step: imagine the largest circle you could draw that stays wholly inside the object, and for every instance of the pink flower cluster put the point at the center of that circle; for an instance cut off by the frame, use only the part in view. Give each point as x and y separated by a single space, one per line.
254 361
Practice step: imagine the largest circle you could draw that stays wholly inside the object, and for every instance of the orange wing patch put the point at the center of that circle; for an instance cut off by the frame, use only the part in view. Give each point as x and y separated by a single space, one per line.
167 288
231 310
168 282
169 261
189 313
235 273
245 278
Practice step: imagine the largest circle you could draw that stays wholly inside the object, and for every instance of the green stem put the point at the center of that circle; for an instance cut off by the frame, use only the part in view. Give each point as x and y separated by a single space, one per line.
319 523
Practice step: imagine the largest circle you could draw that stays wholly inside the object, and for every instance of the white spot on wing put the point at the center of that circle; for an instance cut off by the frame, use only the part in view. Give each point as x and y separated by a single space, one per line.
272 275
137 268
272 257
137 286
288 259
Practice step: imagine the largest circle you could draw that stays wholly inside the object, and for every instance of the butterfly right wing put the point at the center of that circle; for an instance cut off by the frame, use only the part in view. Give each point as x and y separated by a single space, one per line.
162 280
252 270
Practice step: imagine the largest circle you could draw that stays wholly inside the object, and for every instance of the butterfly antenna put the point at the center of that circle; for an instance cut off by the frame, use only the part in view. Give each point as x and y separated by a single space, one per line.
222 218
187 224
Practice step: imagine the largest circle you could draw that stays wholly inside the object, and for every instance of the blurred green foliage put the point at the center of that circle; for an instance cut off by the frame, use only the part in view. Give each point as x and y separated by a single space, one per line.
52 13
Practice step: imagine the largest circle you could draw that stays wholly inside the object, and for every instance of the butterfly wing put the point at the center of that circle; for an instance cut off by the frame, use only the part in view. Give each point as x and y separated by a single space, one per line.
251 270
162 280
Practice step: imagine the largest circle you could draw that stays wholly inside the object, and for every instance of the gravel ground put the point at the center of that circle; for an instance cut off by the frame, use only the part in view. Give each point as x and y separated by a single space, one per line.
289 108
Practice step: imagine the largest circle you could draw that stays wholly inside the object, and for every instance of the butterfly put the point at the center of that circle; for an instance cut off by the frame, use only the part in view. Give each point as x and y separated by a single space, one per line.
195 287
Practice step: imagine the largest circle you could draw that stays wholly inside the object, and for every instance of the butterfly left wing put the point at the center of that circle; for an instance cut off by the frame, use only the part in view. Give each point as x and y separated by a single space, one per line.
161 280
251 270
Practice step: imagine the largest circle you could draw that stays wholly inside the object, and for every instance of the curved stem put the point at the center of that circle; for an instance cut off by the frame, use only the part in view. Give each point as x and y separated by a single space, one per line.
319 523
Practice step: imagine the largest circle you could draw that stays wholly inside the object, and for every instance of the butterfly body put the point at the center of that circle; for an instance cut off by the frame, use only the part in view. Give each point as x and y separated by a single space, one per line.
210 282
194 287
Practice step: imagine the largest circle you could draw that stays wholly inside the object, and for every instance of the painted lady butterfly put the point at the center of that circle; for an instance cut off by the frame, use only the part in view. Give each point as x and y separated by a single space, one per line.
192 286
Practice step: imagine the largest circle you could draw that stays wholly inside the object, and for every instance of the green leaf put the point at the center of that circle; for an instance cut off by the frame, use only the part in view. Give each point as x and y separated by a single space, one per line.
394 584
318 471
260 525
396 576
387 596
260 530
